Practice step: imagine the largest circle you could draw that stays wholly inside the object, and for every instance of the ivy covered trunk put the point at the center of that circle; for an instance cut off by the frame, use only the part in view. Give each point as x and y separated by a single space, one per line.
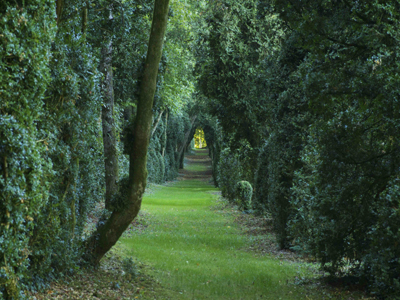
130 200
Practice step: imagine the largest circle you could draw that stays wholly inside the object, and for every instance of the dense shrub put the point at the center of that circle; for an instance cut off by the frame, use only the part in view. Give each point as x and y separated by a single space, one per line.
243 194
343 213
381 264
171 164
279 157
70 128
24 167
279 190
345 194
228 173
155 167
327 104
235 164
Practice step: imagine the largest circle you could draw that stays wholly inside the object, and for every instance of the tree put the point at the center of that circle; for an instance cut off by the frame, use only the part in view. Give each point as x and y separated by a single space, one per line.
130 199
107 115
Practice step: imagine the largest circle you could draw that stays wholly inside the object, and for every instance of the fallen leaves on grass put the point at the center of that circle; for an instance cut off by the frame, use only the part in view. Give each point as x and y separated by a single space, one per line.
109 281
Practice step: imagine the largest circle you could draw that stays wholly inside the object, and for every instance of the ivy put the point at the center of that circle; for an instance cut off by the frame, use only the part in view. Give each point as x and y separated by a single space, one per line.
24 168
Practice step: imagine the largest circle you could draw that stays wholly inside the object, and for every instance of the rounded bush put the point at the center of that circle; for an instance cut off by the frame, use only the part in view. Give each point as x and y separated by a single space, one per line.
243 193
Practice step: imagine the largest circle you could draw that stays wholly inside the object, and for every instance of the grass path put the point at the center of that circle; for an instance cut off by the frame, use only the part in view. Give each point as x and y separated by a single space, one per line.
197 252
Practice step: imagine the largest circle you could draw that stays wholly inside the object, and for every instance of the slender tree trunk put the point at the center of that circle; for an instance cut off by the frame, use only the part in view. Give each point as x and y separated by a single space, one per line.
182 148
85 18
109 232
157 122
108 123
165 135
59 10
74 199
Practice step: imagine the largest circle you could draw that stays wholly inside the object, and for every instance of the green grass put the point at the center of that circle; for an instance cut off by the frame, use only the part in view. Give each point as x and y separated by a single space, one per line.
201 152
199 252
196 167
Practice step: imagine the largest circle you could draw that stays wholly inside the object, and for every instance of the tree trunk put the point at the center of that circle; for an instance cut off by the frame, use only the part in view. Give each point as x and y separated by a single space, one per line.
85 17
157 122
181 152
108 123
59 10
165 134
109 232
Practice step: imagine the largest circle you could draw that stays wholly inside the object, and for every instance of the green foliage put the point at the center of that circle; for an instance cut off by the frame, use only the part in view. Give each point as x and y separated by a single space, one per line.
174 97
50 131
351 158
155 167
324 100
228 173
155 161
233 43
24 167
234 166
299 100
381 266
70 130
249 81
129 31
177 78
243 194
192 144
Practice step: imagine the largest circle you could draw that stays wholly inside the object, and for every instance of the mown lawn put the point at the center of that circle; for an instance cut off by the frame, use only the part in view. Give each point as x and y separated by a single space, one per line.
201 253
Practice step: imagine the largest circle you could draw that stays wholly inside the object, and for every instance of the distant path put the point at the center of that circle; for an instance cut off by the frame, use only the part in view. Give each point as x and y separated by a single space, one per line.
197 251
197 166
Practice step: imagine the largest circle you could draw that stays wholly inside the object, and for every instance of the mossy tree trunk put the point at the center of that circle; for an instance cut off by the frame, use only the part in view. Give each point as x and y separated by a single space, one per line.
109 232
